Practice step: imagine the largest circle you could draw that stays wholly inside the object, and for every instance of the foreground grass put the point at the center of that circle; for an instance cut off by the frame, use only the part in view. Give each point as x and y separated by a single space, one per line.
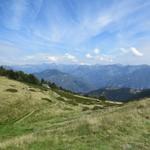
36 119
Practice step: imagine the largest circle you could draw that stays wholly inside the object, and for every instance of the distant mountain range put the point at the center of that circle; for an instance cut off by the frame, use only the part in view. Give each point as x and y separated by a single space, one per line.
64 80
86 78
120 94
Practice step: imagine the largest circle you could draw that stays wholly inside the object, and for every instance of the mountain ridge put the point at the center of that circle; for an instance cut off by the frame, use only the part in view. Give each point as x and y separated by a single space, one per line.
101 76
64 80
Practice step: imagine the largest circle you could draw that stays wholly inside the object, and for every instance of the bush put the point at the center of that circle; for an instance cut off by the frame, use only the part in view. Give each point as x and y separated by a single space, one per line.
102 98
12 90
46 99
32 90
85 108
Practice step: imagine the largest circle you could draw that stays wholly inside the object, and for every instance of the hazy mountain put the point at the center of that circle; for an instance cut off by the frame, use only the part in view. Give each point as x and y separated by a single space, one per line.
95 76
120 94
64 80
33 68
115 76
44 66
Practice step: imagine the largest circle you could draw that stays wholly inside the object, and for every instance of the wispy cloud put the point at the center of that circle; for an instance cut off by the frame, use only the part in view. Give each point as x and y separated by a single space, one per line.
59 27
131 50
136 52
14 14
47 58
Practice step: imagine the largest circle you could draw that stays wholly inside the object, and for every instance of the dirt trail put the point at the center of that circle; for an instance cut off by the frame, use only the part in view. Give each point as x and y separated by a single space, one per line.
25 116
33 135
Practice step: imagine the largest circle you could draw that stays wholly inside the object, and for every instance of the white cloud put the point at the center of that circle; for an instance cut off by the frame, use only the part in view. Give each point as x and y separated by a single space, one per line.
47 58
104 58
132 50
88 56
97 57
96 51
40 57
70 57
136 52
52 58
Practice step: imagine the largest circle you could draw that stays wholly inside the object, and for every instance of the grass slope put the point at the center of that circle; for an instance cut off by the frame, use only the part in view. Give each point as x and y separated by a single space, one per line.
32 118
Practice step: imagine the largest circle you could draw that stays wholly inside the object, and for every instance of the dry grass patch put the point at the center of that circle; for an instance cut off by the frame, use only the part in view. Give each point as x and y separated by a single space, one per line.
18 141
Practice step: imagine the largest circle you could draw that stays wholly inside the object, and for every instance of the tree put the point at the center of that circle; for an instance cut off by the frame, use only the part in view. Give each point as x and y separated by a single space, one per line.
32 79
42 81
102 98
19 75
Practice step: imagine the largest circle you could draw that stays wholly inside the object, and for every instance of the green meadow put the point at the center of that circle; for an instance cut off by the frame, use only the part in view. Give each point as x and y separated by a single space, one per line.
36 118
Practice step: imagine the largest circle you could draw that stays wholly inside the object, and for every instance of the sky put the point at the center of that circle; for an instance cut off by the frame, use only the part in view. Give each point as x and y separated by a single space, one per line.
74 31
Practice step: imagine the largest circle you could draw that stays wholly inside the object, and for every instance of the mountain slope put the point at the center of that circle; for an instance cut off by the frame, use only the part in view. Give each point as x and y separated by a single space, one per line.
115 76
64 80
33 118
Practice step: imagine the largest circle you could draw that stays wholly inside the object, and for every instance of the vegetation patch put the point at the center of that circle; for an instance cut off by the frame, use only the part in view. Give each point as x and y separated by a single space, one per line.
140 106
61 99
77 99
47 99
27 123
68 108
12 85
32 90
97 107
85 108
72 102
12 90
83 129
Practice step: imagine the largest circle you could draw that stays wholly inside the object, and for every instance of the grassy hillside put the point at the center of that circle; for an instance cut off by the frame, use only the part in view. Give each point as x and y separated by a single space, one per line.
33 118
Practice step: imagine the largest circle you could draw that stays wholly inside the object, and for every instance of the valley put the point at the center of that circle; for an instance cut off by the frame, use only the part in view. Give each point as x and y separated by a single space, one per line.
92 77
74 75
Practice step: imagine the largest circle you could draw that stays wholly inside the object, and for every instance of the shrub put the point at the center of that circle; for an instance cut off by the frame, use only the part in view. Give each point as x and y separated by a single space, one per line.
12 90
46 99
85 108
32 90
97 107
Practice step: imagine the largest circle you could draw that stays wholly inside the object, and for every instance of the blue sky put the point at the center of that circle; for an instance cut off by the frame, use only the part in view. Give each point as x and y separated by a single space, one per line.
75 31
